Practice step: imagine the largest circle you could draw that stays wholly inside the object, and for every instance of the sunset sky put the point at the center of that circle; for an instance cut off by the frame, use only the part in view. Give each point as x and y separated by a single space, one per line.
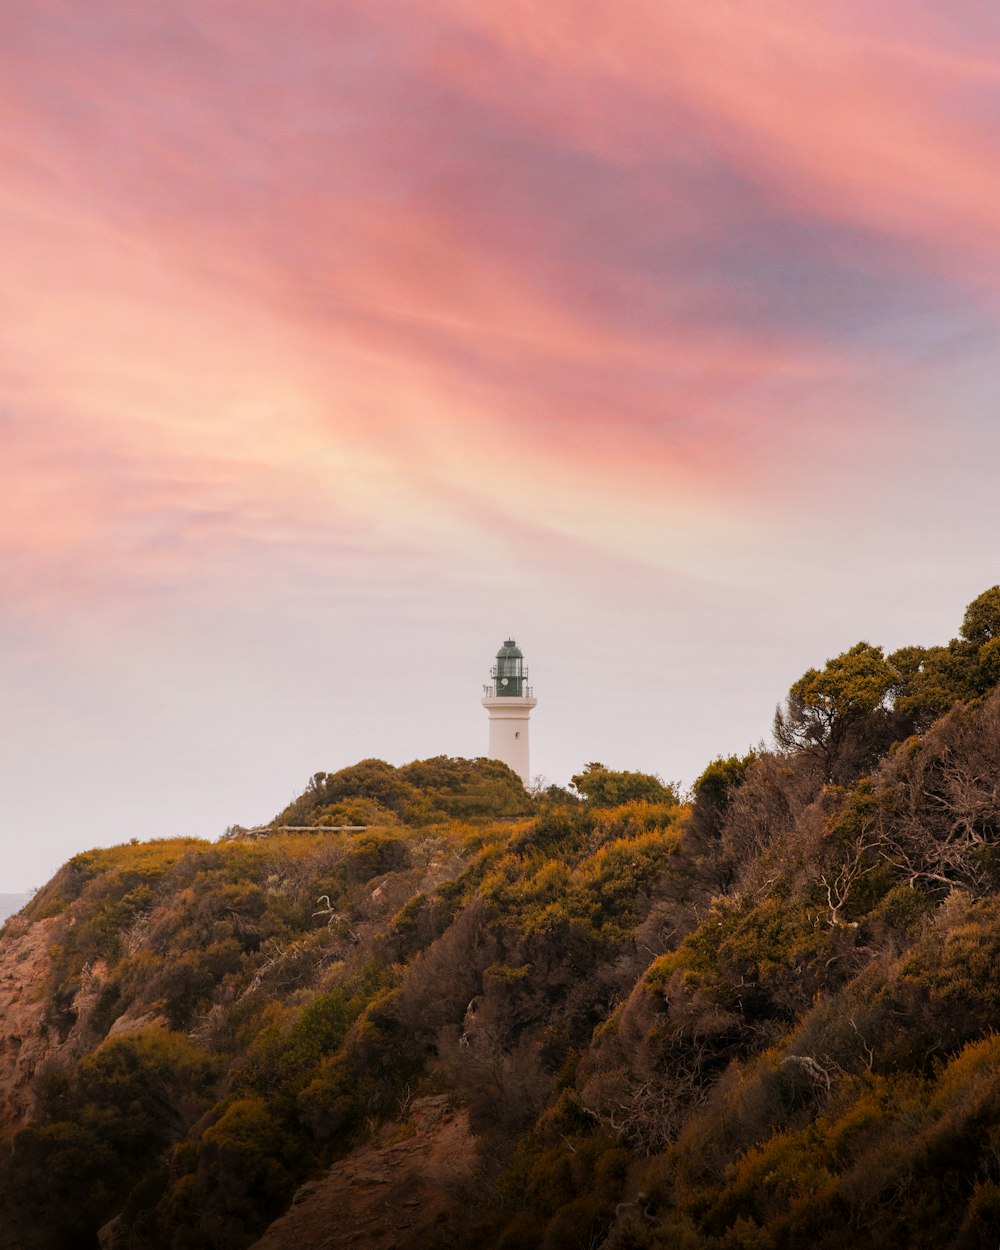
341 340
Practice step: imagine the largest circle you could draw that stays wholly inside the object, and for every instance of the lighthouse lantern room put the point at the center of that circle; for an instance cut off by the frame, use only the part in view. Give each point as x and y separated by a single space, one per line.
509 700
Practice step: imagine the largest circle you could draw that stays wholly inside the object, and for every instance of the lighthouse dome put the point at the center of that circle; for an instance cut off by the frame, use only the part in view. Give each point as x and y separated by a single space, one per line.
510 672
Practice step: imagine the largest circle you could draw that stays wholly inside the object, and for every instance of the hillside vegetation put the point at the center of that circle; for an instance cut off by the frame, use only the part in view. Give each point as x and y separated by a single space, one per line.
762 1019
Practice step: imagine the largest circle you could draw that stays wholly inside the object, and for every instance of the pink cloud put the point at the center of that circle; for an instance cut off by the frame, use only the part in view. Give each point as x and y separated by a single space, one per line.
323 269
847 111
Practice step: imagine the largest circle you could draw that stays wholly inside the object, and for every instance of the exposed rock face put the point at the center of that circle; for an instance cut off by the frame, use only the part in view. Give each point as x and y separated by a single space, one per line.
25 1043
28 1040
385 1196
136 1023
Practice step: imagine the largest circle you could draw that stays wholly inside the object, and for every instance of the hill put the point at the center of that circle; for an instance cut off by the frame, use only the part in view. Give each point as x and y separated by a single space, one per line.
422 1008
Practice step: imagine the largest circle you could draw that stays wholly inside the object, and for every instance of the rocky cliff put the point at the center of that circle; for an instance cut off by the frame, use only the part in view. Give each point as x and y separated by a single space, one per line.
474 1019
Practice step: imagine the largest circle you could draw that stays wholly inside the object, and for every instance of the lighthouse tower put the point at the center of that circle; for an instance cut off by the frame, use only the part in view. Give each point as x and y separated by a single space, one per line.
508 700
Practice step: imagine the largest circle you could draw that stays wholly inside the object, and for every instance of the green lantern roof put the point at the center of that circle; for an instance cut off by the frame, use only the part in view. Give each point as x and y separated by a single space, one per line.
509 673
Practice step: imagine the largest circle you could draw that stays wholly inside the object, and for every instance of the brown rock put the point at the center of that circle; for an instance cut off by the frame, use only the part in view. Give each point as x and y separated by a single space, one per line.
359 1201
28 1042
25 1042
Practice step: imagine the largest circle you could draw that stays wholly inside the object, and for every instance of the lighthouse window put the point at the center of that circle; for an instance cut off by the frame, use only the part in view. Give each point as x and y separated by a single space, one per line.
517 733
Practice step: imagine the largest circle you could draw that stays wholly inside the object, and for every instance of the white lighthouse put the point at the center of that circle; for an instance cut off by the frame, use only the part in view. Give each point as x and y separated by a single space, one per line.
508 700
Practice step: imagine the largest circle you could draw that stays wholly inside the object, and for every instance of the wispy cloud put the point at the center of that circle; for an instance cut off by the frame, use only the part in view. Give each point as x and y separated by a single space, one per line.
335 338
324 269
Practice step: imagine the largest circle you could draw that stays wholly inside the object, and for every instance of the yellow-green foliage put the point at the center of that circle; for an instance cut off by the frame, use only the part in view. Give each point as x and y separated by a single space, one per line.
237 1175
771 1179
107 1121
814 1061
290 1042
420 793
976 1064
903 908
639 816
537 899
961 965
120 867
600 890
359 811
624 870
145 860
265 946
222 909
883 1151
604 787
565 1197
743 949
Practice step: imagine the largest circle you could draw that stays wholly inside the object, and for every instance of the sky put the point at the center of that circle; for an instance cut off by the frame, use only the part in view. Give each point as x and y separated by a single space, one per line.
341 341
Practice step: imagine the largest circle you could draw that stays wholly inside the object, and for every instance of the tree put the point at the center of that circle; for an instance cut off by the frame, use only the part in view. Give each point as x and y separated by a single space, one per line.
603 787
715 786
931 679
982 617
839 707
712 797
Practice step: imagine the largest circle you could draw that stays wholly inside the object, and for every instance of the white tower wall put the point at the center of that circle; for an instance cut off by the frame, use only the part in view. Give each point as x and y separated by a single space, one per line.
509 732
